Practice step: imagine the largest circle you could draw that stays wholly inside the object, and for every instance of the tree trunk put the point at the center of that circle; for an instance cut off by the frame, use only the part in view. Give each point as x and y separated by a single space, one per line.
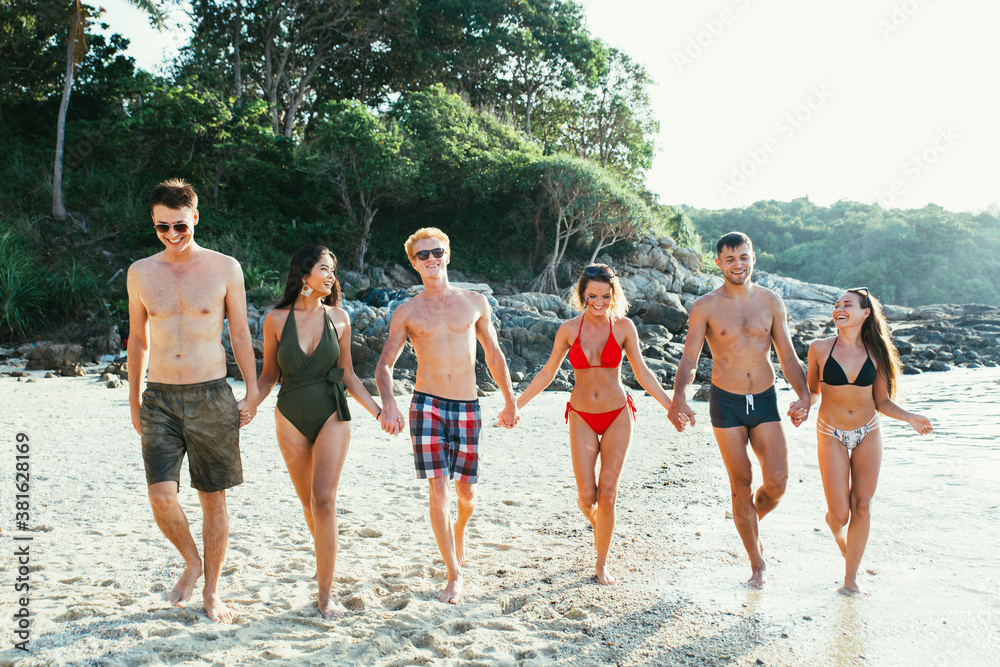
237 30
58 209
601 244
366 235
546 280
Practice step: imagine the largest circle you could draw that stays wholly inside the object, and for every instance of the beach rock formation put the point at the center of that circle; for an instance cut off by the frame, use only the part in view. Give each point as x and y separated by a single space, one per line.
661 279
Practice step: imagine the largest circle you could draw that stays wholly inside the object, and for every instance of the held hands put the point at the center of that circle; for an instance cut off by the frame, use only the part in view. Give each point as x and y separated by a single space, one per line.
798 411
680 414
248 411
920 424
509 416
391 420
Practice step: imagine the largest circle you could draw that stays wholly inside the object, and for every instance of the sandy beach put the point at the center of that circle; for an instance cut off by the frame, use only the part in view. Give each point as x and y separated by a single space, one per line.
100 569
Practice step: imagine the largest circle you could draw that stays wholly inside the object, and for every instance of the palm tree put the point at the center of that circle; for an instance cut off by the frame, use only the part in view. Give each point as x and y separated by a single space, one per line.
76 47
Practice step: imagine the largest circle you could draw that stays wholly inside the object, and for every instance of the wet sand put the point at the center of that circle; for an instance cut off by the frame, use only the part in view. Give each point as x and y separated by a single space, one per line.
101 569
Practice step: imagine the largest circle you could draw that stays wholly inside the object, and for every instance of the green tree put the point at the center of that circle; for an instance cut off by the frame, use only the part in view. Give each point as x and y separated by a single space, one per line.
609 120
367 159
581 199
76 46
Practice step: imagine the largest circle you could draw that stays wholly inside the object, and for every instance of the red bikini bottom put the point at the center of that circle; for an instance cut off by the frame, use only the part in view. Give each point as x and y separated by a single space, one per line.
600 421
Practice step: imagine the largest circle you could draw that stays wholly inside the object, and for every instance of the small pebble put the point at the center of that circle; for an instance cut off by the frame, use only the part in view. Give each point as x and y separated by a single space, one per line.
807 618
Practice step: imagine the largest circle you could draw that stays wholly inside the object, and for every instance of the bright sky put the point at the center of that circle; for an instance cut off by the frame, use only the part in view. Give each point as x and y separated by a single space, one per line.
888 101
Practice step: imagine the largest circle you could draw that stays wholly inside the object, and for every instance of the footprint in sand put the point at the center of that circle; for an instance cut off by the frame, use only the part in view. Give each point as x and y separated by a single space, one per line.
397 602
511 605
354 603
369 532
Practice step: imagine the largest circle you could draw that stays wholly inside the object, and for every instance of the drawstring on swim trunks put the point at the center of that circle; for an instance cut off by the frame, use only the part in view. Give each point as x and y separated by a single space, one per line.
749 403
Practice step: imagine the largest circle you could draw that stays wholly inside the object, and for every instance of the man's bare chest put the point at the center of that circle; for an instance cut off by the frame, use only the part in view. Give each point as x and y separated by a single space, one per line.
740 324
168 294
437 320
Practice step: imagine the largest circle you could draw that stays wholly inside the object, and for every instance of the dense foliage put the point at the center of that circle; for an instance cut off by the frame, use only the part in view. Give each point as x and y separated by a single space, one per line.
343 122
907 257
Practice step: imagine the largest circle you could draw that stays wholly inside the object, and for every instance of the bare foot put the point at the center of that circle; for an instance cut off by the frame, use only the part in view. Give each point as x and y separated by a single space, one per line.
758 578
329 609
217 609
185 585
459 544
604 577
853 589
452 592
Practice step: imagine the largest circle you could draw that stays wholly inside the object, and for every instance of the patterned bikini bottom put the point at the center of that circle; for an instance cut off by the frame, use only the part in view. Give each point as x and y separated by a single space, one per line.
851 439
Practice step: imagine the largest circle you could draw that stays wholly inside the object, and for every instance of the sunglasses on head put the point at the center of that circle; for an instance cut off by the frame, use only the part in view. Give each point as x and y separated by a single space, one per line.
179 227
594 271
424 254
863 291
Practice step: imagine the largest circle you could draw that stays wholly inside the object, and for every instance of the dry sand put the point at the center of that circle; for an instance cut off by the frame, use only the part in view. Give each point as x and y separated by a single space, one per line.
100 569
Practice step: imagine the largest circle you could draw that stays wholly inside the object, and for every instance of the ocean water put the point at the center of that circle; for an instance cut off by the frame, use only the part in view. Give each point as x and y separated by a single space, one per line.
932 565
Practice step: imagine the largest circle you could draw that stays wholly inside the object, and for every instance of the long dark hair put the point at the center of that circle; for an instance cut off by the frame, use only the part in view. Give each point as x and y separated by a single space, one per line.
876 335
302 265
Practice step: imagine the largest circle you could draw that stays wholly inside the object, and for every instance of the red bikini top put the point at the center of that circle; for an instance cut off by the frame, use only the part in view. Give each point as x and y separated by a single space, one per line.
611 355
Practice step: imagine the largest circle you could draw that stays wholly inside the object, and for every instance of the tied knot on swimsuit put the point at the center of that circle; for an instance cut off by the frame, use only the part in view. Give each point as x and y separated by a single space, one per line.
334 377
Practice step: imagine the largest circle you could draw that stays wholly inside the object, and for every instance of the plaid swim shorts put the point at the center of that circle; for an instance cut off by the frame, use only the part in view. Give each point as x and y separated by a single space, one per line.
445 437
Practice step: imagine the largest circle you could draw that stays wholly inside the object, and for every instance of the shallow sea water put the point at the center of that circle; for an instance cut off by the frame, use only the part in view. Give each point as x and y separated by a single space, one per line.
932 564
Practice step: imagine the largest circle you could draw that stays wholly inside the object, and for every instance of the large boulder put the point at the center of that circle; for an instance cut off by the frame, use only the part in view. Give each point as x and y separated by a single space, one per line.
403 277
51 356
896 313
701 283
666 314
790 288
690 259
539 303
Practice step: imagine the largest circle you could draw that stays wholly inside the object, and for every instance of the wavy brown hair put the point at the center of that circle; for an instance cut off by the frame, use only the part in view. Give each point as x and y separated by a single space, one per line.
619 304
876 335
302 265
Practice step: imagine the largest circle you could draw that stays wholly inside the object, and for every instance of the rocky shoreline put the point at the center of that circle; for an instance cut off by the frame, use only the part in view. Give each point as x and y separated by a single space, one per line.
661 280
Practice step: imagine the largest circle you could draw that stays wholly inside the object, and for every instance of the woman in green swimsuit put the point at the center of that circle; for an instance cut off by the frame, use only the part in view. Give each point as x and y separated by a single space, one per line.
307 343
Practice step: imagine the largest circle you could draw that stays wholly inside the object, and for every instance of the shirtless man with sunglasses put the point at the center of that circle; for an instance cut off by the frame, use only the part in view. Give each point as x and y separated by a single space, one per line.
443 323
178 300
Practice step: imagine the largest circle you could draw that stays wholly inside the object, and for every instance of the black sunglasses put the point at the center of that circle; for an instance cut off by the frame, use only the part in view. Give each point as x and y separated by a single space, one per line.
594 271
422 255
179 227
863 291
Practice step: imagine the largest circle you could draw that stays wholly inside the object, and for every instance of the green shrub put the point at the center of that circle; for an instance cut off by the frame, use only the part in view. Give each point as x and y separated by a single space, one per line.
22 293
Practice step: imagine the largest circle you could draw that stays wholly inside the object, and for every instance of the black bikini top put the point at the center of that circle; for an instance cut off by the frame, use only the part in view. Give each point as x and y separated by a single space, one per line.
833 373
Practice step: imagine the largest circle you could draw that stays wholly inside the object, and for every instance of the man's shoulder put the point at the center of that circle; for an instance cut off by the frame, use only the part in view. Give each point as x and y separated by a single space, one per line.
218 259
145 264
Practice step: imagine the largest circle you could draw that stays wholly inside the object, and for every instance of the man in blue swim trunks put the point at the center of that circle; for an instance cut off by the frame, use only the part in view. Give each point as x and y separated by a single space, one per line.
443 323
741 321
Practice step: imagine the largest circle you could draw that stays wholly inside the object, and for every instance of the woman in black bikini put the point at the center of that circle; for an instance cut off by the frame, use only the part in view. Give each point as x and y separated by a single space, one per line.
307 343
847 427
599 410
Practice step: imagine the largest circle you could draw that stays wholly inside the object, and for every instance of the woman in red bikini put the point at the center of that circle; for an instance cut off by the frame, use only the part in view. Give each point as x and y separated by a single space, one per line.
599 410
847 429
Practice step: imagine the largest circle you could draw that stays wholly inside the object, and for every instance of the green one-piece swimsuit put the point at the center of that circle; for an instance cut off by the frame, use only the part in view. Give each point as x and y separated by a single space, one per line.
312 386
